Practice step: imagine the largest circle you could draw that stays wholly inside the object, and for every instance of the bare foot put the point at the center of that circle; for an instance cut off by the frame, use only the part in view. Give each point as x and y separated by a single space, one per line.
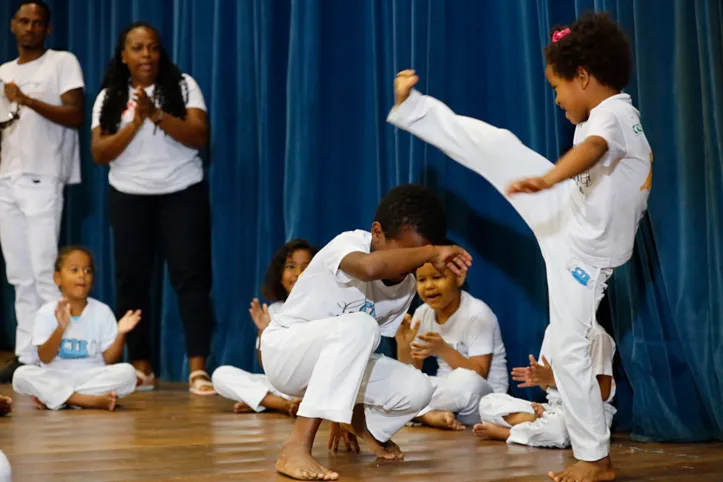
6 405
38 404
241 407
293 406
387 450
600 471
488 431
441 419
296 462
102 402
539 410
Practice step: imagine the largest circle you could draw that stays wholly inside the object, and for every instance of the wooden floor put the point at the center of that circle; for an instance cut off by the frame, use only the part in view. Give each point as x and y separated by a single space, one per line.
170 435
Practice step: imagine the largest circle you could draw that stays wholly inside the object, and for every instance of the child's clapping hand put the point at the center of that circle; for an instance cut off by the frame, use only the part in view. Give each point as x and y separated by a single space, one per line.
129 321
535 374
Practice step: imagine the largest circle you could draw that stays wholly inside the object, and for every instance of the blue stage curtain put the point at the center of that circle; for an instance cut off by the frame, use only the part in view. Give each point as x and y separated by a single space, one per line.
298 93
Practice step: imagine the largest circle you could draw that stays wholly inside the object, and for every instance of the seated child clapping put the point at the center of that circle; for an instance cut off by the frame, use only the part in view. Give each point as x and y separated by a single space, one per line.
78 342
251 391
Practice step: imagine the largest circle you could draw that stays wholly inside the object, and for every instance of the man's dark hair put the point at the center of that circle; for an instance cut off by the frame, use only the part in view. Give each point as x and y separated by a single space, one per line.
412 206
40 3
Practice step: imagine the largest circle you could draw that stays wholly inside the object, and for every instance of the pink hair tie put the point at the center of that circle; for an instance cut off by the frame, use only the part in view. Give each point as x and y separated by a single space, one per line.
558 34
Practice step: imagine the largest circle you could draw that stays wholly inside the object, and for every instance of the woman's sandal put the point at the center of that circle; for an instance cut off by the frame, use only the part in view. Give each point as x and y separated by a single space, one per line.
145 383
199 383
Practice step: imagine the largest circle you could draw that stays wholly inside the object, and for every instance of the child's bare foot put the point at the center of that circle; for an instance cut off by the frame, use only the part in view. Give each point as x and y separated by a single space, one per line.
241 407
102 402
600 471
38 404
488 431
441 419
539 410
6 405
295 461
293 406
387 450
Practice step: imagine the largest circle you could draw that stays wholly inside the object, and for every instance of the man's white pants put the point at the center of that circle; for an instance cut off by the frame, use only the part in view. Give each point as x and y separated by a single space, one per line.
242 386
332 365
31 208
459 392
5 471
54 387
548 431
500 157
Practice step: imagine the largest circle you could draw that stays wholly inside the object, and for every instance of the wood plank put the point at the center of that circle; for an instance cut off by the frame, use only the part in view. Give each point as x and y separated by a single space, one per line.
170 435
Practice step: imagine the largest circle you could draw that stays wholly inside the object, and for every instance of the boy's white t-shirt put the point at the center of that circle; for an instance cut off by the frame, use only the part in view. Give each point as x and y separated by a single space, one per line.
602 350
472 330
610 199
85 339
33 144
154 162
323 290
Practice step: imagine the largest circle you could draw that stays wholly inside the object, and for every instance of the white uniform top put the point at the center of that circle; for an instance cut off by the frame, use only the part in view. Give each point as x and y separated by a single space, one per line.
85 339
323 290
273 310
609 200
154 162
602 351
472 330
33 144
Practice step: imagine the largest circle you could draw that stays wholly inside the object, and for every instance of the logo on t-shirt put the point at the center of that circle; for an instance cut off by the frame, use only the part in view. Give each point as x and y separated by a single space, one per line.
363 306
583 180
637 129
71 349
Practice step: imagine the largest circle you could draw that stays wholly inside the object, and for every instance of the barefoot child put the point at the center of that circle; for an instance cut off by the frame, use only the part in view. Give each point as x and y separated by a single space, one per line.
543 425
462 333
78 342
588 210
321 343
253 392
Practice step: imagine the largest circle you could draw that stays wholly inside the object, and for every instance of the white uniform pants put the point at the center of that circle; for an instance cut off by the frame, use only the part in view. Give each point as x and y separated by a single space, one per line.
54 387
575 288
548 431
5 472
332 365
459 393
31 208
242 386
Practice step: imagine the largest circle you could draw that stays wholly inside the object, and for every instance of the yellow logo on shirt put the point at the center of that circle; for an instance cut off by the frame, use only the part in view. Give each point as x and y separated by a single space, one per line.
649 181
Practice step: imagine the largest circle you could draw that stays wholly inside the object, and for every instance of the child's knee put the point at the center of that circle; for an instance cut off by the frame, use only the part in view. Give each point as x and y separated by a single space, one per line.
420 391
362 327
21 376
220 376
468 383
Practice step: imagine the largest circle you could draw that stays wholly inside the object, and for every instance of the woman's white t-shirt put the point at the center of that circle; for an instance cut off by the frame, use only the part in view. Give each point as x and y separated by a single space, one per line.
154 162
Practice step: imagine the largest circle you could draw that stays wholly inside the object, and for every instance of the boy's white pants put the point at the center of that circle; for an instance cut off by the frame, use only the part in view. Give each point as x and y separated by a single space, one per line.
458 392
31 209
54 387
5 471
575 288
332 365
242 386
548 431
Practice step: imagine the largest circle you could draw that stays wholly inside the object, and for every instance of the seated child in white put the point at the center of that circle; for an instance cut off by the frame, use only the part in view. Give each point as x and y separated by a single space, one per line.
518 421
251 391
78 341
462 333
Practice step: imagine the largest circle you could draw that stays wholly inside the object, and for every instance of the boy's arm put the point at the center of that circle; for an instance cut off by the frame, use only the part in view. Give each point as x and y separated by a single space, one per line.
115 351
49 350
606 385
393 263
479 364
49 329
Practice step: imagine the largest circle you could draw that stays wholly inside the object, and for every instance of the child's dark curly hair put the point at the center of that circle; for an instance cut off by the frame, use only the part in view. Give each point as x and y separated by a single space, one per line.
272 288
596 43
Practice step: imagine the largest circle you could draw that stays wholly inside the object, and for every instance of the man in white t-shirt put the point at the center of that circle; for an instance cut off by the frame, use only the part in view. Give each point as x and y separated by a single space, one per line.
39 155
320 345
